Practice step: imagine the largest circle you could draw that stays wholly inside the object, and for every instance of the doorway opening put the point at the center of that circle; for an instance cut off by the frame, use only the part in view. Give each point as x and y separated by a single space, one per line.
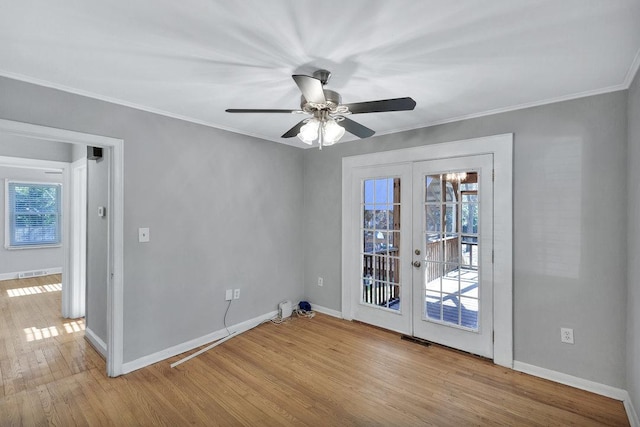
114 280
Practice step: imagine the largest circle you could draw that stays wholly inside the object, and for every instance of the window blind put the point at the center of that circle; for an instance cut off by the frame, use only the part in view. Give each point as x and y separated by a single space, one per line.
34 214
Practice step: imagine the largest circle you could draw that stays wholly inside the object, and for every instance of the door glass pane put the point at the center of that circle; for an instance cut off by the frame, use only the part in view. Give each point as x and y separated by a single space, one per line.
380 210
433 188
367 241
380 218
469 218
469 254
450 218
367 217
432 215
434 250
451 249
368 192
451 185
469 313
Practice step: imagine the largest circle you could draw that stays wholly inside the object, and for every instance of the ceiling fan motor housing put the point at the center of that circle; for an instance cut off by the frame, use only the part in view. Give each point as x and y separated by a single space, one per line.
332 100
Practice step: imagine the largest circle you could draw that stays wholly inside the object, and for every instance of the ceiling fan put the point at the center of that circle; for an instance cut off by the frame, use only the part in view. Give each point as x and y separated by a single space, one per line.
328 120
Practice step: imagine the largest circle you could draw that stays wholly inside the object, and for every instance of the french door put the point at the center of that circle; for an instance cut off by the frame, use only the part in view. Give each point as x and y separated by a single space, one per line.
382 224
425 243
452 256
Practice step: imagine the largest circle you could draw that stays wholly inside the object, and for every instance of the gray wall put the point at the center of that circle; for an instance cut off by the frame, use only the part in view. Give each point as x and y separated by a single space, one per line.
78 152
569 239
16 261
97 245
230 211
633 299
29 148
224 210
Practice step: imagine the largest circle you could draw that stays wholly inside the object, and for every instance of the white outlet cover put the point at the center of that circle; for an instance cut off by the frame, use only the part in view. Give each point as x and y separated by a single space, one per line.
566 335
143 235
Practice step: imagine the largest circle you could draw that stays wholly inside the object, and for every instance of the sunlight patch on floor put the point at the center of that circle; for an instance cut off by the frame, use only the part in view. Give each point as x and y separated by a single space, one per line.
33 290
37 334
74 326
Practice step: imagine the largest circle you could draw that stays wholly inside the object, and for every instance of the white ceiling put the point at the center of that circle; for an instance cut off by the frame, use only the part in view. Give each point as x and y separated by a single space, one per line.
192 60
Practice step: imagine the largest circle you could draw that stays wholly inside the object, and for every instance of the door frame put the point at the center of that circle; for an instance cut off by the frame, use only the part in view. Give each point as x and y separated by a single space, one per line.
74 301
115 284
501 146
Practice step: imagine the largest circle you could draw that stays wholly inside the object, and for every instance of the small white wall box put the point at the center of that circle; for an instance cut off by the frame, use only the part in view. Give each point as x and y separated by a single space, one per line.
285 308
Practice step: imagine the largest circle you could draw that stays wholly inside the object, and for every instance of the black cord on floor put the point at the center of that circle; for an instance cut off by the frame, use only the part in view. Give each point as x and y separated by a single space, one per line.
225 317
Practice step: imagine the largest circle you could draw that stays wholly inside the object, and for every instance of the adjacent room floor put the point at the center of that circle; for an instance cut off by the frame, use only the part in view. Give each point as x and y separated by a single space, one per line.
320 371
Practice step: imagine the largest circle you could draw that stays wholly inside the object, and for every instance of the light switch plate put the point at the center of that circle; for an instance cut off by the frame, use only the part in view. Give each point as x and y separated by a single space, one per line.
143 235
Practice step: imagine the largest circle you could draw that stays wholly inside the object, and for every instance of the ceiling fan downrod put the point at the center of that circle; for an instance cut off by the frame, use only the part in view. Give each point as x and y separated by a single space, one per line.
322 75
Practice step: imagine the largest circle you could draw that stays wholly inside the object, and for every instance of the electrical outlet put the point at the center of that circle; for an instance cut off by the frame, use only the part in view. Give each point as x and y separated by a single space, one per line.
228 295
236 294
566 335
143 235
320 281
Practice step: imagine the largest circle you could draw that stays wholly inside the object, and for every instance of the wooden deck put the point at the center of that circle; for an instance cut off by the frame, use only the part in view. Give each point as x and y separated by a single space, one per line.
320 371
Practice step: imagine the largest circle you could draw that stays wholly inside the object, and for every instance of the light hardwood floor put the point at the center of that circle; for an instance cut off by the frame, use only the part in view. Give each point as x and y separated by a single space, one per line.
320 371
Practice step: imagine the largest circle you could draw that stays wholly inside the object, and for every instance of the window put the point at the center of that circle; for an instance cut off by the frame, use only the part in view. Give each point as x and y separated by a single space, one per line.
380 231
33 214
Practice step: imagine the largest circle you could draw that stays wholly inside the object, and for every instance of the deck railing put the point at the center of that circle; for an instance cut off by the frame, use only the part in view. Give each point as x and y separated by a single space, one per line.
381 275
441 250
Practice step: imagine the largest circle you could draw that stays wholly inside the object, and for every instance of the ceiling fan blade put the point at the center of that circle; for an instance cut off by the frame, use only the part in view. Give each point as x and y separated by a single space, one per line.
311 88
254 110
294 131
356 128
396 104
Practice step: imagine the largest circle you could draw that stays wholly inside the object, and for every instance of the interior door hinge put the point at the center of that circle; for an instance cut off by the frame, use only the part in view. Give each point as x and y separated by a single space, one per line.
493 175
493 336
493 256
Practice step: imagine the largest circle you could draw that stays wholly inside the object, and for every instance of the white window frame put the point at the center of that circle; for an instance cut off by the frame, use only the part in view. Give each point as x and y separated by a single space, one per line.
8 225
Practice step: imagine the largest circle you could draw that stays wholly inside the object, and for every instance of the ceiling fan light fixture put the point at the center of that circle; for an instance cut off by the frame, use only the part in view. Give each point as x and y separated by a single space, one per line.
309 132
332 132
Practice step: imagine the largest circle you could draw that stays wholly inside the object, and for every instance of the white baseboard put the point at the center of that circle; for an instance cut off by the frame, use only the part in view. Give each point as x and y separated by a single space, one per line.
634 421
14 275
325 310
582 384
194 343
96 342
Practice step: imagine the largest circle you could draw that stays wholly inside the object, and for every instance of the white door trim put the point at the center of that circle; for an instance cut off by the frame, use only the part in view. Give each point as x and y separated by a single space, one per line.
115 298
75 298
501 146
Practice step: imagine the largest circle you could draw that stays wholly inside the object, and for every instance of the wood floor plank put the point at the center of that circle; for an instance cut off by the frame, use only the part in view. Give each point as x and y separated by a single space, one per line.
317 372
